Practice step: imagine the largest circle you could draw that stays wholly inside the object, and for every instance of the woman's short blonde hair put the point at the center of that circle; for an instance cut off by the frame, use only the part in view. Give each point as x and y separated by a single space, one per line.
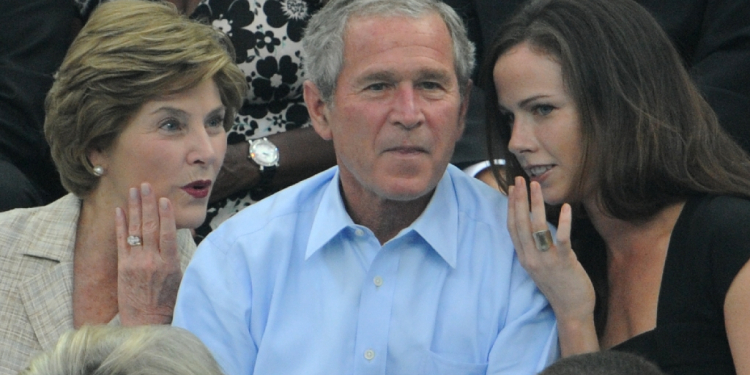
141 350
130 52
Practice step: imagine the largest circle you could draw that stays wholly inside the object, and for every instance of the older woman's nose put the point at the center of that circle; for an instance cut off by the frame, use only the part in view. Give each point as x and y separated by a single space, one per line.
202 149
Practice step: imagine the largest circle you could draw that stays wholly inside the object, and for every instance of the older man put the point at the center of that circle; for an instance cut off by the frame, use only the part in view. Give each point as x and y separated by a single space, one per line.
392 262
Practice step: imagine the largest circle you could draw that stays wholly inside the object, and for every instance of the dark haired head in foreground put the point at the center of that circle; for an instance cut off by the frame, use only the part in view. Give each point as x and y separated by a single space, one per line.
606 362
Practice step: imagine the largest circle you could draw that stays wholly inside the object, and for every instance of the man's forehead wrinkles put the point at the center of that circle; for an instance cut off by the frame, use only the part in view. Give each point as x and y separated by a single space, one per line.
395 75
379 75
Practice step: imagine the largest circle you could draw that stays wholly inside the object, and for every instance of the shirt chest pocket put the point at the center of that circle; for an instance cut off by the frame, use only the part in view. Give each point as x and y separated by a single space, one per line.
443 364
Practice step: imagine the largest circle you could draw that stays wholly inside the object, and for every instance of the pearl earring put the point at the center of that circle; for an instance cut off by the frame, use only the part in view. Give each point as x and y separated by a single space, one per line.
98 171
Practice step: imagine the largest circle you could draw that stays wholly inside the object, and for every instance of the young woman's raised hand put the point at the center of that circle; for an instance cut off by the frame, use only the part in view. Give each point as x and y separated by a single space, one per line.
556 270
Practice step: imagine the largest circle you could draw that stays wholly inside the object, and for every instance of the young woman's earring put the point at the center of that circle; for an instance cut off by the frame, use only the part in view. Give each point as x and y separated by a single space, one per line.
98 171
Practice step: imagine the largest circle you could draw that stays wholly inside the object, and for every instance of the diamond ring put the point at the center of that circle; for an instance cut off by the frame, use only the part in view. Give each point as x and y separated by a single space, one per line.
134 241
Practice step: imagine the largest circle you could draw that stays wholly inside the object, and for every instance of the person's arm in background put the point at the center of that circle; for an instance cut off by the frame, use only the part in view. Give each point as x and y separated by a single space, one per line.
736 318
190 5
713 38
302 153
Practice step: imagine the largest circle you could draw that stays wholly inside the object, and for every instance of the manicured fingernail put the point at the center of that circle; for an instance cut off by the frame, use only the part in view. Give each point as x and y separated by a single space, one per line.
118 212
145 189
163 203
133 193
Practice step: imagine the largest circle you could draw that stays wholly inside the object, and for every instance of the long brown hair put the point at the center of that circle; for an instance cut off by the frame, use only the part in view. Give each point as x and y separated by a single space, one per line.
649 137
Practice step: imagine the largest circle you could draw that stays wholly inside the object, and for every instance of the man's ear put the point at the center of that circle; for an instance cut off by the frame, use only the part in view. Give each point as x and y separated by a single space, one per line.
464 107
318 110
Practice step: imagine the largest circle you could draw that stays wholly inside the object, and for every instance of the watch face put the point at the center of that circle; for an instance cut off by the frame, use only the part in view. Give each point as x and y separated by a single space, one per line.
264 153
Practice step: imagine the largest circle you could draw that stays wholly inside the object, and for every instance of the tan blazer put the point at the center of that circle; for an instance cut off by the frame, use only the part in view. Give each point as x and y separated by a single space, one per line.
36 278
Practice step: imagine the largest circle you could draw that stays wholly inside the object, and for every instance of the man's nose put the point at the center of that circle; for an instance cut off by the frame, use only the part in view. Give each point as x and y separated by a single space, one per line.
407 111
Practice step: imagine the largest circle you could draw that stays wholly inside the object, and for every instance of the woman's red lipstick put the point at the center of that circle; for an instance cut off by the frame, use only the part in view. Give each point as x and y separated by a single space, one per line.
198 189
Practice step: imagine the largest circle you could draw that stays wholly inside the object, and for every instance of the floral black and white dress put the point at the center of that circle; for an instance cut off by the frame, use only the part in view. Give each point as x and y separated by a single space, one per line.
266 35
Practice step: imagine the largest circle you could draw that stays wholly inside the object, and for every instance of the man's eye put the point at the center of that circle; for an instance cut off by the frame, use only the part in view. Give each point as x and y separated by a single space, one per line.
377 87
431 85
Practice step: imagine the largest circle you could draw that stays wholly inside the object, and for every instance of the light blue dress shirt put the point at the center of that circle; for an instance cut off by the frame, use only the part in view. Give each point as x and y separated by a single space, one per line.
291 285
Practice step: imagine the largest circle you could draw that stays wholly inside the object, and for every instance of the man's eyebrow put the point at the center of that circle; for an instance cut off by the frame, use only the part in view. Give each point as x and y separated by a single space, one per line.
387 76
381 75
434 75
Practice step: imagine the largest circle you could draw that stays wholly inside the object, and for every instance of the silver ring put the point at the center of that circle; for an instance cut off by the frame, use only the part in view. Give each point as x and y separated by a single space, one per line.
543 240
134 241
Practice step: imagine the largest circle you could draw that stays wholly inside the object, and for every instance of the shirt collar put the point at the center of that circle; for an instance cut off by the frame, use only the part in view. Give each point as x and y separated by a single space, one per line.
437 225
330 218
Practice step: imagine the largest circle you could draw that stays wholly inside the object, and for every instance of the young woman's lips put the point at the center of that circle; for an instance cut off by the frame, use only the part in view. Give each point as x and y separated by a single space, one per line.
198 189
538 173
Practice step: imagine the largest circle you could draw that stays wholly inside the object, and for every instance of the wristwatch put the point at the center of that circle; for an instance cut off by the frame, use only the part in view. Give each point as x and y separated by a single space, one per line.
264 153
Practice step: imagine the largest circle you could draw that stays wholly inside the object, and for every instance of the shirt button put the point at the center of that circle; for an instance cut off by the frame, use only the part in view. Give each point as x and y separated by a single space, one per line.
369 354
359 232
378 281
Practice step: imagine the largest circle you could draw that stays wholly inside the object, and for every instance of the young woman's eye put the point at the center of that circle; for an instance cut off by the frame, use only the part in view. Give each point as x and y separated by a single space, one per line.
507 118
543 109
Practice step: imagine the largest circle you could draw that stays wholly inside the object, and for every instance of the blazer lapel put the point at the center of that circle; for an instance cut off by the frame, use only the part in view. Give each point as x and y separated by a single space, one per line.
48 303
47 293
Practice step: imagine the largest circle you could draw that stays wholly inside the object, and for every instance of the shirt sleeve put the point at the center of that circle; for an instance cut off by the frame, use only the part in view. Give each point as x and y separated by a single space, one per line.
214 303
528 341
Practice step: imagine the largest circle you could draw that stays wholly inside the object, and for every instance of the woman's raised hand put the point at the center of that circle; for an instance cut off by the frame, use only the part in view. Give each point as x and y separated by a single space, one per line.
149 271
556 270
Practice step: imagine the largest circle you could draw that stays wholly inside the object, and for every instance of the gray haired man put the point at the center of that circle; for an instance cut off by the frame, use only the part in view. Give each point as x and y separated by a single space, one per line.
392 262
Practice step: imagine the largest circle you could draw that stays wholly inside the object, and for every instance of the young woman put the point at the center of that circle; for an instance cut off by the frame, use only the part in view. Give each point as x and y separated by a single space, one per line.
590 103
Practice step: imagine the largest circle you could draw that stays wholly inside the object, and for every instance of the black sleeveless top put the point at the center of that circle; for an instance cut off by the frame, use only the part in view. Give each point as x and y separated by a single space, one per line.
708 247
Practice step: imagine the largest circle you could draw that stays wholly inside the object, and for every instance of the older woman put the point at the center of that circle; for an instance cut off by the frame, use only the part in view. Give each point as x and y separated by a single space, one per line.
136 122
592 105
